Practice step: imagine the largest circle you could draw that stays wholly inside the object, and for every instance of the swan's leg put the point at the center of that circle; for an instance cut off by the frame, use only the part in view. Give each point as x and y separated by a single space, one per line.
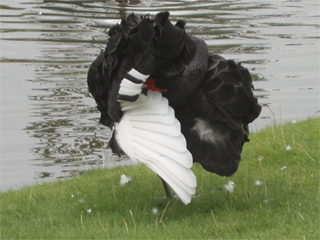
166 187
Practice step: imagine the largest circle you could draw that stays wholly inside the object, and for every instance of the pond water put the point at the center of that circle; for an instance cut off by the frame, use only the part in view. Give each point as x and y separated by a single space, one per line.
49 123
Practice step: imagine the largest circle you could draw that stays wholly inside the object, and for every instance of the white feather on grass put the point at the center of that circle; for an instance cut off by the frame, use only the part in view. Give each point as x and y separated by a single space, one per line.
229 186
125 179
148 132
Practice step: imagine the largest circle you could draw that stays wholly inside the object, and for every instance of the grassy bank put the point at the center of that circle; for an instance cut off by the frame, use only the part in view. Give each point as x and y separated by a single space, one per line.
276 196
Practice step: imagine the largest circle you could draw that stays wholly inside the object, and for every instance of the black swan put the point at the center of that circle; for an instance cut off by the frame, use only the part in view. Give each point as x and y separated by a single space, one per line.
170 102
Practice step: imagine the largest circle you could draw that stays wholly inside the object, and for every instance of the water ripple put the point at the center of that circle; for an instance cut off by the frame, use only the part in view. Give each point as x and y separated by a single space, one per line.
47 47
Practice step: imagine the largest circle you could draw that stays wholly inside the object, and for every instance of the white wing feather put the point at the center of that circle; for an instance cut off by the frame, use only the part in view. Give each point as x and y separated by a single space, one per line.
148 132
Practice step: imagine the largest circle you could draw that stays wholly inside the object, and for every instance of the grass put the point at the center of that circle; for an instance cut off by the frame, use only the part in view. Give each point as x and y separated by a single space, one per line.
284 205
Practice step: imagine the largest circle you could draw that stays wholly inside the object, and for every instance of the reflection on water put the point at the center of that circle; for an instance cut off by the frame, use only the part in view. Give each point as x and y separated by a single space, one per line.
49 123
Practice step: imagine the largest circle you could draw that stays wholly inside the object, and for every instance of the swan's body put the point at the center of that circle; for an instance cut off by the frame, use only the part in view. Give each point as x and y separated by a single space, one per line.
171 102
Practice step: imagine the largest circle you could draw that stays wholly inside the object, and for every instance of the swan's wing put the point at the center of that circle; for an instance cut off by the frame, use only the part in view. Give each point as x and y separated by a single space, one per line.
148 132
229 87
223 106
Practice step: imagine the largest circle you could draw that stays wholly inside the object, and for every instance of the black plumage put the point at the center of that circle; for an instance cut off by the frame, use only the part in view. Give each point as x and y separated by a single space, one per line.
212 97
